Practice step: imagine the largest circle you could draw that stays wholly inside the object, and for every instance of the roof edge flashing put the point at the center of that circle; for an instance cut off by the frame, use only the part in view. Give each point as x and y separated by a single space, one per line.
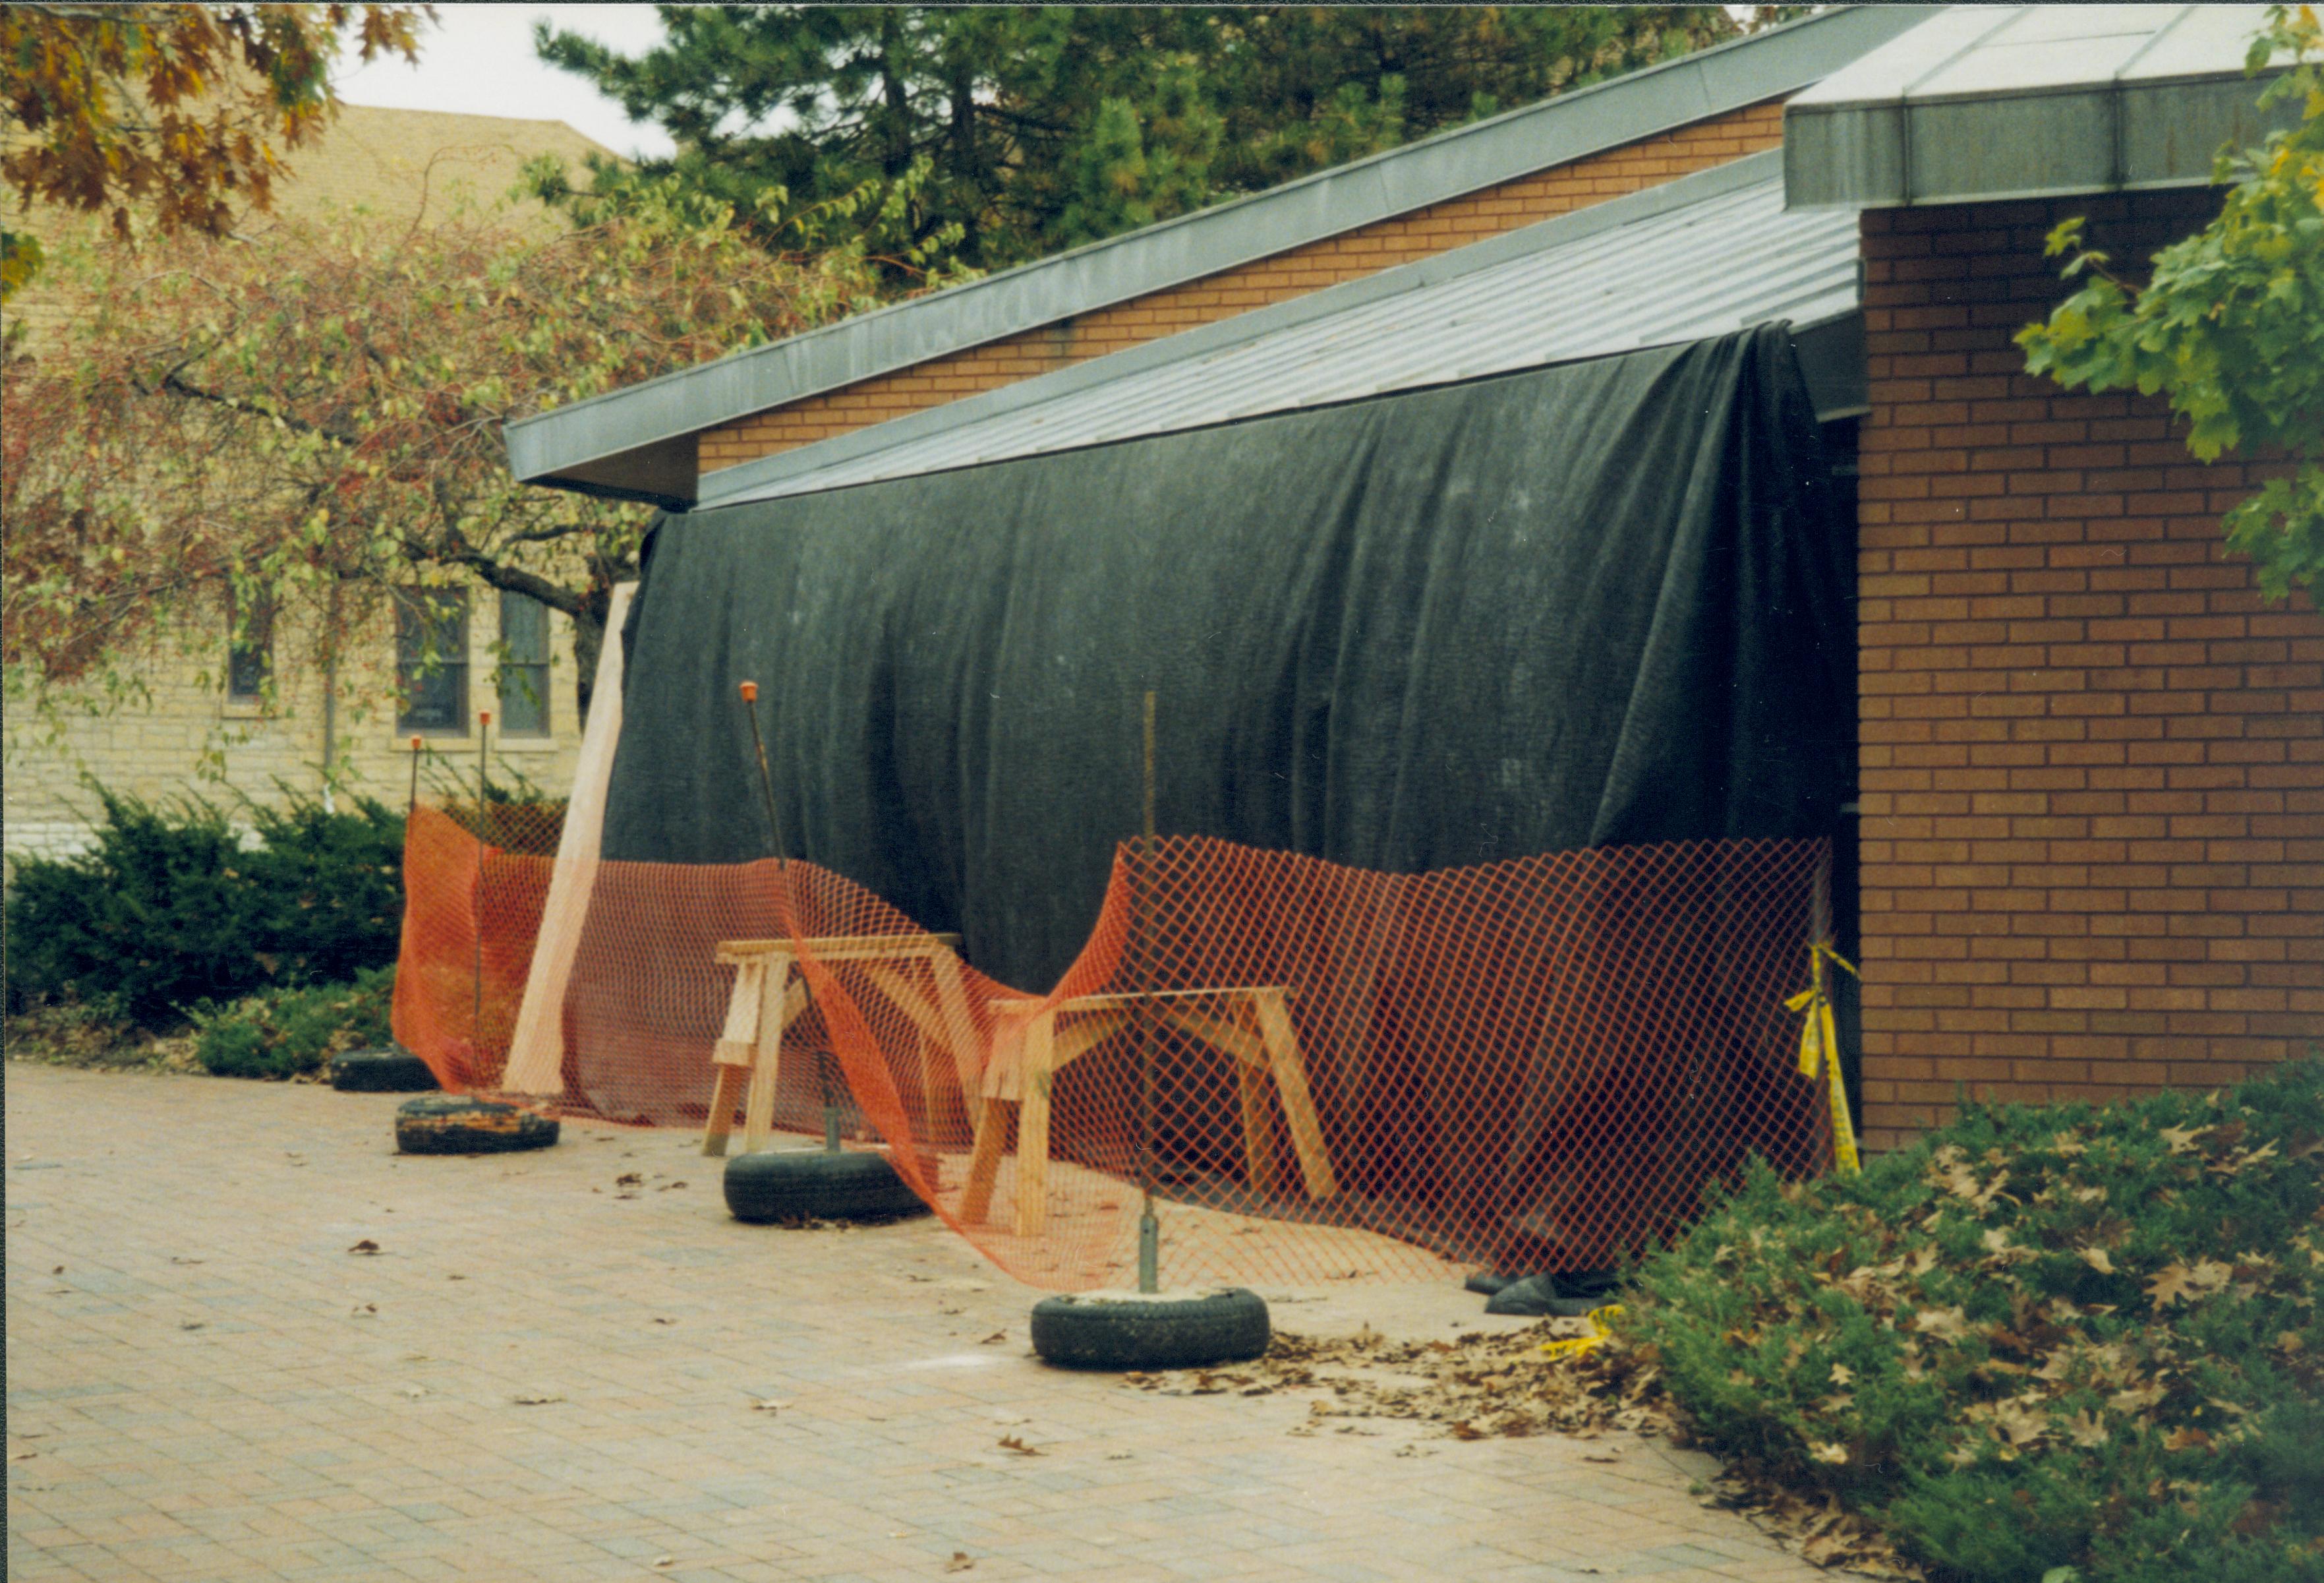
1874 137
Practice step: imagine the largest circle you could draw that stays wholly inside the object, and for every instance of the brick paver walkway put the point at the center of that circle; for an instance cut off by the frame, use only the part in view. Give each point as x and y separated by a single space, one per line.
203 1383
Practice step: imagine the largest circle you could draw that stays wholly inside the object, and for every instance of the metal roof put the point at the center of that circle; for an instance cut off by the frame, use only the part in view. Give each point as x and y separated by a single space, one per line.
2020 101
1700 256
638 441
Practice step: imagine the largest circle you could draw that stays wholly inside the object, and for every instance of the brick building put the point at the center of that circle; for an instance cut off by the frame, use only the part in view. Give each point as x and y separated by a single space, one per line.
2091 761
206 730
2092 757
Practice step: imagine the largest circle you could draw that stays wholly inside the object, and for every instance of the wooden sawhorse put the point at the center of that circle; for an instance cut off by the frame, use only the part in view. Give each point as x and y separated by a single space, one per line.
1254 1027
768 996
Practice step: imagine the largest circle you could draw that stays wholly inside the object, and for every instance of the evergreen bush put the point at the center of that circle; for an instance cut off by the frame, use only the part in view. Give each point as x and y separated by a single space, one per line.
173 907
285 1033
2045 1345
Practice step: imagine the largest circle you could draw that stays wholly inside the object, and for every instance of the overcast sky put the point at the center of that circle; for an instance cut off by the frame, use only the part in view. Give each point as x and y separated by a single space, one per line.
478 59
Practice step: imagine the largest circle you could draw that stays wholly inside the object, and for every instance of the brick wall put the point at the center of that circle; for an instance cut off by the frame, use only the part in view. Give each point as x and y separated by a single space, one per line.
2092 757
1401 239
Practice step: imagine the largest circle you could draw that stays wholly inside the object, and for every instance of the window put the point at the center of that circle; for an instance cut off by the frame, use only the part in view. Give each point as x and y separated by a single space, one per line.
249 649
524 666
431 660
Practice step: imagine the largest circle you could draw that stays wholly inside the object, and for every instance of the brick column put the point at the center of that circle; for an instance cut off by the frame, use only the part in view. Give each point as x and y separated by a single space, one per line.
2092 757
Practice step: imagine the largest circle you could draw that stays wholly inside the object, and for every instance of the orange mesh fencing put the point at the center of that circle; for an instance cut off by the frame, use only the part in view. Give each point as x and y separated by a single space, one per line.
471 910
1325 1072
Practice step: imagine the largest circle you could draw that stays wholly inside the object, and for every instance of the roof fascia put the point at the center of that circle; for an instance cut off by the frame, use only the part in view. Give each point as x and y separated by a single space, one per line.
2135 129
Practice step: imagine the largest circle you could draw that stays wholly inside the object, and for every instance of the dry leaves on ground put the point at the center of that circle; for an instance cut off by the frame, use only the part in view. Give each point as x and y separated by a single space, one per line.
1501 1385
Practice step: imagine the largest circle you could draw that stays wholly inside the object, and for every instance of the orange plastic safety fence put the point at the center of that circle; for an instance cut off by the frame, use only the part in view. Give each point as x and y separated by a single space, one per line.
472 907
1324 1072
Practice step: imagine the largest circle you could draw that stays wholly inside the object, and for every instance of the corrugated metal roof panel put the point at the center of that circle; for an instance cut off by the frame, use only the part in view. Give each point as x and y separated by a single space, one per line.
1700 257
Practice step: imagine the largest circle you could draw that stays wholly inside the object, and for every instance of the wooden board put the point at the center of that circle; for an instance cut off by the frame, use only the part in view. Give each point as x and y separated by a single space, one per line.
536 1062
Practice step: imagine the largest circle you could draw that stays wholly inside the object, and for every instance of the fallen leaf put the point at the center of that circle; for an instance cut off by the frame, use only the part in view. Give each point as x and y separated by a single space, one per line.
365 1247
2097 1258
769 1404
1949 1324
415 1392
628 1178
189 1324
1013 1443
661 1562
174 1258
659 1321
1841 1374
1828 1451
2180 1439
456 1277
995 1339
535 1398
57 1270
1601 1454
669 1186
2085 1430
27 1455
2019 1424
2182 1139
364 1311
959 1562
2175 1281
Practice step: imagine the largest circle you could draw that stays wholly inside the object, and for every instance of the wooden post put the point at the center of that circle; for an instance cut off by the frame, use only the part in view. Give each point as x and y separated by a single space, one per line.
1291 1081
993 1118
759 1116
1258 1124
537 1055
1033 1126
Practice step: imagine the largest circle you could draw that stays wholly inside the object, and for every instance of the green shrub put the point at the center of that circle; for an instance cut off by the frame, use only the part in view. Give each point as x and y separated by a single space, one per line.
2043 1338
170 909
284 1033
513 814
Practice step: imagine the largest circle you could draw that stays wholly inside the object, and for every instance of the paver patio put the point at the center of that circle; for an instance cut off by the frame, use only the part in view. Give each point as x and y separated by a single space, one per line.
204 1384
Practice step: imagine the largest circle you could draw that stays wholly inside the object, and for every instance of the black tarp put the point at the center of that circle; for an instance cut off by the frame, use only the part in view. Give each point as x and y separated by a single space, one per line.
1593 604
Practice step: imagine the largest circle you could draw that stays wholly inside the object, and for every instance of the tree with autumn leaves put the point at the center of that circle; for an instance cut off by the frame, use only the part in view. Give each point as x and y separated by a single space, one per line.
311 417
168 118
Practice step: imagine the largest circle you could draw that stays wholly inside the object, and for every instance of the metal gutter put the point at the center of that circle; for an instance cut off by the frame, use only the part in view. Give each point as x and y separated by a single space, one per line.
622 442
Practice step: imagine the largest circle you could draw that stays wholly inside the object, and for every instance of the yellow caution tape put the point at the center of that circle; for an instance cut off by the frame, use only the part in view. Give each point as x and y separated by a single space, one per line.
1819 1049
1601 1321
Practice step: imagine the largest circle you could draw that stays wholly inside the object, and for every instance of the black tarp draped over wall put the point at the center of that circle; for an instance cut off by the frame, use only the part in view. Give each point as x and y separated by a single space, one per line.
1600 603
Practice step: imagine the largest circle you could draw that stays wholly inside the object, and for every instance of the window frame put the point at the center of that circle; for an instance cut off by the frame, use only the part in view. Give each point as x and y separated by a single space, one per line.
529 674
444 608
257 647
